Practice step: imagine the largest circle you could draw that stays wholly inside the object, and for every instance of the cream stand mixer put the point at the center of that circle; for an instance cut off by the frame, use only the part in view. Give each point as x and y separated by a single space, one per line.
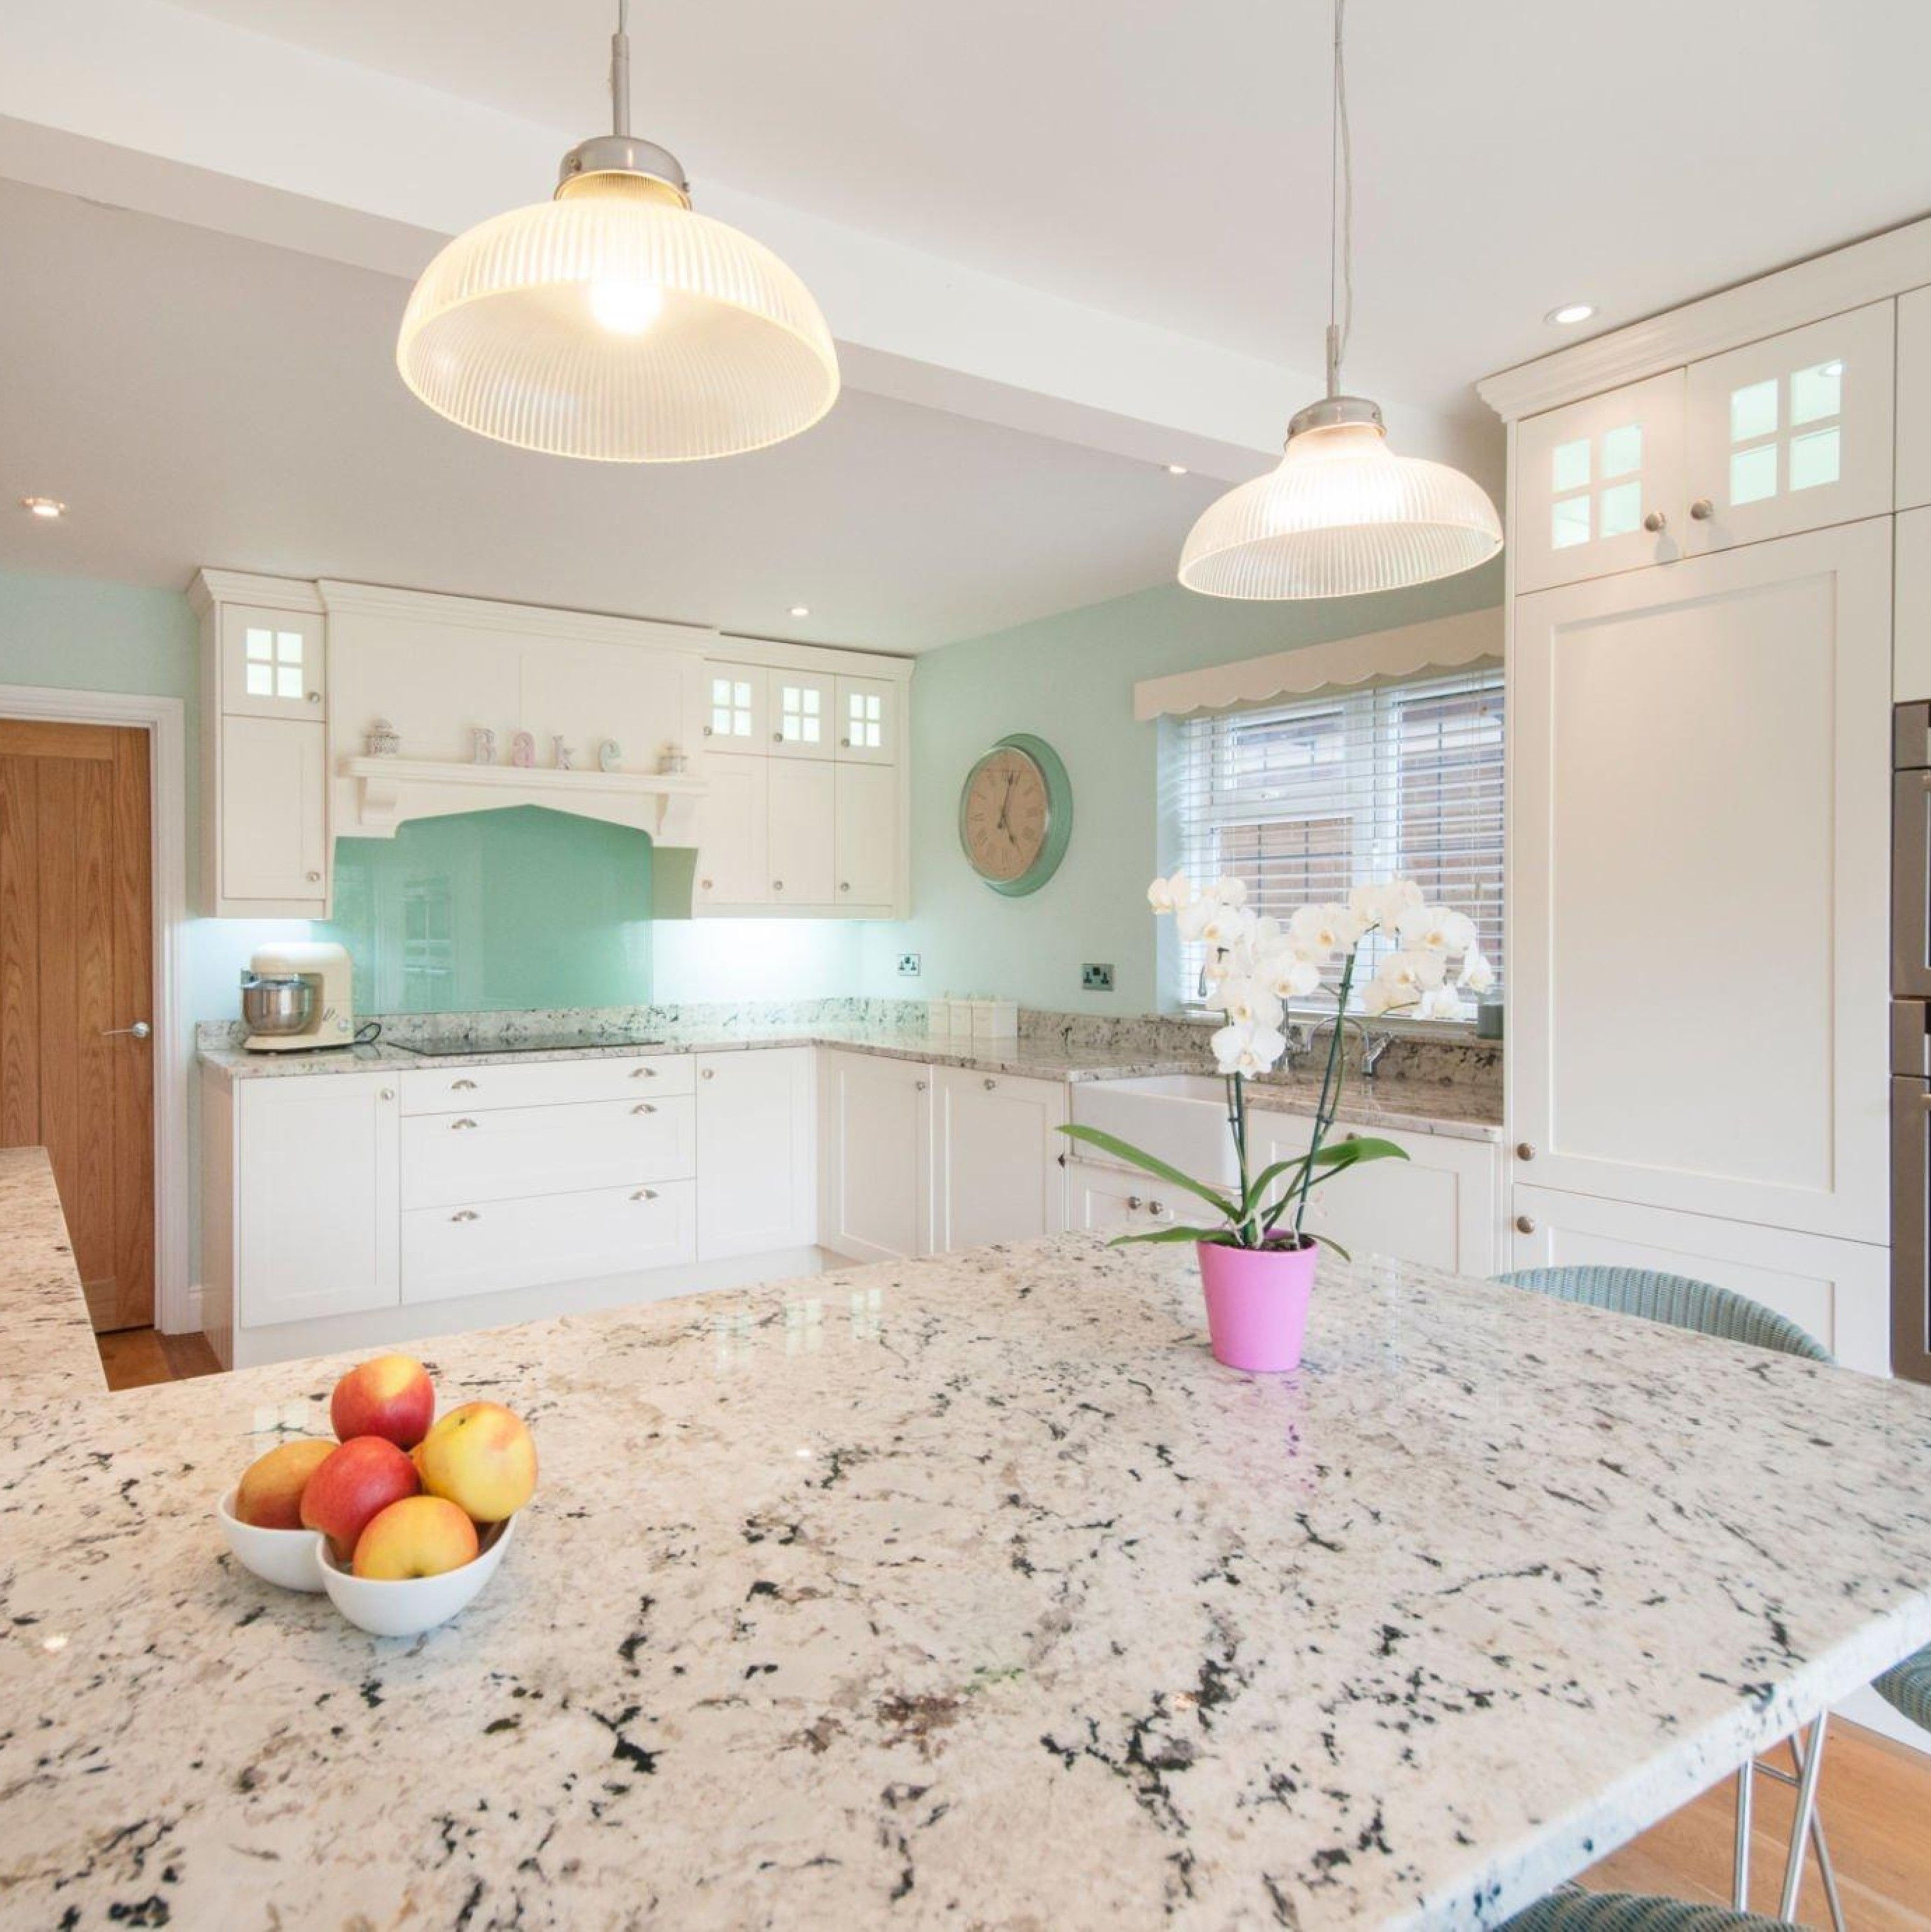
298 996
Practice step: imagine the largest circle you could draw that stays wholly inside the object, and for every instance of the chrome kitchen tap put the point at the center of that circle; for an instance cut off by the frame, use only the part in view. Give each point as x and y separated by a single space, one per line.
1373 1044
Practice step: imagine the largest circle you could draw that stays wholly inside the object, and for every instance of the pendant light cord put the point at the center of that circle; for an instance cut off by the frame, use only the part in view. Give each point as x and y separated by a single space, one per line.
620 71
1340 215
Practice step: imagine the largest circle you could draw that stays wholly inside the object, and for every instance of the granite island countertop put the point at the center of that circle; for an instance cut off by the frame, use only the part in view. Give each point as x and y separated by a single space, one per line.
47 1349
967 1591
1411 1106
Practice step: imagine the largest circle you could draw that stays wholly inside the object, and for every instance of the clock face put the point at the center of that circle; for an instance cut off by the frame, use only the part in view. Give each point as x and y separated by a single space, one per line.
1015 815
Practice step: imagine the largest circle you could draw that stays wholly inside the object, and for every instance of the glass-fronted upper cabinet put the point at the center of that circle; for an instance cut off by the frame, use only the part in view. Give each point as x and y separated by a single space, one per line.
1790 434
274 666
867 714
803 719
736 714
1598 485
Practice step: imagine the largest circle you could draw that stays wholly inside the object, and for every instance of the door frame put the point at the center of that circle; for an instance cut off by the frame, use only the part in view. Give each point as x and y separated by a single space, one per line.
163 719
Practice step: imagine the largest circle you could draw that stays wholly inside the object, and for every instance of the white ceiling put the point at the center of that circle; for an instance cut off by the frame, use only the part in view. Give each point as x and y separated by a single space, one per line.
198 399
1171 161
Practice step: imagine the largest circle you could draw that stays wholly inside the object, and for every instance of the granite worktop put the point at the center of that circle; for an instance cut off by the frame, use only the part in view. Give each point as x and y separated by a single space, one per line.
968 1591
1410 1106
47 1349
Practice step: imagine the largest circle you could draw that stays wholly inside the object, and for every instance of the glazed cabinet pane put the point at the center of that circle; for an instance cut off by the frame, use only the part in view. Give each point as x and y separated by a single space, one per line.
803 724
271 663
868 721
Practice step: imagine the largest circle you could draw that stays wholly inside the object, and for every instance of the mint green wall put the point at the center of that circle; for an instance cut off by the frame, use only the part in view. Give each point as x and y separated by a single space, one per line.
1069 679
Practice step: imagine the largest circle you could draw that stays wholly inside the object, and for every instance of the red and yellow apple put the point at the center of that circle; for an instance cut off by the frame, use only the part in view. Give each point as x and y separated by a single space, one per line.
269 1495
420 1536
480 1458
358 1479
390 1395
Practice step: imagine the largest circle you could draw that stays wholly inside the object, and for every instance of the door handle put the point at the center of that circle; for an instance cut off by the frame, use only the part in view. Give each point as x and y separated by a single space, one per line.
139 1030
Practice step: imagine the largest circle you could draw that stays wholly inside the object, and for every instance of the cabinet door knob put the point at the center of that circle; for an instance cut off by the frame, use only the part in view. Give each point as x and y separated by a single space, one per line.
844 885
707 1073
1654 521
388 1093
707 730
315 698
1525 1151
919 1086
778 737
778 885
991 1084
846 742
1157 1209
315 878
1134 1204
466 1214
645 1194
643 1073
706 883
643 1107
1525 1224
461 1086
456 1126
1702 509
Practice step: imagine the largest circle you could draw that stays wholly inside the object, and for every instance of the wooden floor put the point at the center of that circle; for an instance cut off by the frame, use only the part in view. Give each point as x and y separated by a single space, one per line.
134 1357
1875 1794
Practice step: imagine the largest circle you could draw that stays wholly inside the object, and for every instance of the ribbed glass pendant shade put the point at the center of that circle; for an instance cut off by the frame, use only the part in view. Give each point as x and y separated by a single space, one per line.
1340 515
615 324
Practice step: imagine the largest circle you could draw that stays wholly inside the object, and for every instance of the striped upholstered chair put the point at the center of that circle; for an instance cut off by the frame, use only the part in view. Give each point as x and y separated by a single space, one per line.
1569 1910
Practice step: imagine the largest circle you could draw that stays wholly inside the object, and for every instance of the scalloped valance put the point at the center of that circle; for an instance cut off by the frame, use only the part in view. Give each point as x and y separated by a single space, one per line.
1381 657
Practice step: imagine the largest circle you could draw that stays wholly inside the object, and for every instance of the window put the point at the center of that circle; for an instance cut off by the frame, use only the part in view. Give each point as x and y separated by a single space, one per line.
1304 800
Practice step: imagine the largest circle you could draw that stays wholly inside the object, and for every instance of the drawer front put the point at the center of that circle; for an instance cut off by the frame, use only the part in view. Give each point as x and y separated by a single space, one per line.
458 1160
447 1251
544 1083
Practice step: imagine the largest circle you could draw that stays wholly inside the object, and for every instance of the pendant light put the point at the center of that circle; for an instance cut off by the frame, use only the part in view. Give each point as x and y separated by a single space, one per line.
1341 514
614 323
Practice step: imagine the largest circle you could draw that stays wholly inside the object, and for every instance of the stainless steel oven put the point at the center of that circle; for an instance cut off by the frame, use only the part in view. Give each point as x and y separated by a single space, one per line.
1911 1045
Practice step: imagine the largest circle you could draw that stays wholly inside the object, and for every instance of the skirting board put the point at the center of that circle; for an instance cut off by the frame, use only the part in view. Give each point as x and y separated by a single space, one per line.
188 1320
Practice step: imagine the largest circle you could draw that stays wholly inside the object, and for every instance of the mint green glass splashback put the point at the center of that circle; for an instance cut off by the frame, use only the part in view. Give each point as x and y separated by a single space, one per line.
489 910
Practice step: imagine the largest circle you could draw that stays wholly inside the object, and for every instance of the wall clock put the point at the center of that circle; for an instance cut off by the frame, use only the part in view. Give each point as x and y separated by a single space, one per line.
1016 815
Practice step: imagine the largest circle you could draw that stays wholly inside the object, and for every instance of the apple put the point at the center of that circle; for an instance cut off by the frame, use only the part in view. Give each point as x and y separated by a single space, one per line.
482 1458
420 1536
269 1495
359 1479
390 1396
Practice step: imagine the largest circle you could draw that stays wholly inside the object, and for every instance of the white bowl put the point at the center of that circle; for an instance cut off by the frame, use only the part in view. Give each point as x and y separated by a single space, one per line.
291 1558
410 1605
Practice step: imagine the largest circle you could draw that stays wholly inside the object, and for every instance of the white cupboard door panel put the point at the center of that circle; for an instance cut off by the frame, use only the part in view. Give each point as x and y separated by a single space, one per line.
1440 1206
866 809
875 1138
737 716
274 845
463 1088
869 718
1102 1200
1791 433
1598 485
756 1139
272 663
1700 806
457 1160
318 1213
1914 399
733 852
802 812
1910 645
803 722
1001 1177
449 1252
1838 1292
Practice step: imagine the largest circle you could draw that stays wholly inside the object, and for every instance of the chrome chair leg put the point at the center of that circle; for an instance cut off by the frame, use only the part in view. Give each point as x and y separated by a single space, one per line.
1826 1869
1810 1762
1740 1896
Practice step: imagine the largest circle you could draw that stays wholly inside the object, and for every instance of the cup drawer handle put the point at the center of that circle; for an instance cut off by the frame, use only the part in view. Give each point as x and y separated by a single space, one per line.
467 1214
456 1126
643 1107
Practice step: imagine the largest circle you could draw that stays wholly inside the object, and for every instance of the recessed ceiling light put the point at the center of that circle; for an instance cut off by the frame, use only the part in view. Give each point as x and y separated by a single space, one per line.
1569 313
801 609
1177 470
49 507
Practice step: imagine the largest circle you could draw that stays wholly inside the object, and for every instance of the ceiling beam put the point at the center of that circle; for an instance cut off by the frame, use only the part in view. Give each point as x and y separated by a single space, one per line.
155 108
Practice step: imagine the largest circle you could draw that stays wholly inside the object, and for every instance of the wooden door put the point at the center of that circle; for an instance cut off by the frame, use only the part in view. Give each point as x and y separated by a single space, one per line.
76 975
1699 886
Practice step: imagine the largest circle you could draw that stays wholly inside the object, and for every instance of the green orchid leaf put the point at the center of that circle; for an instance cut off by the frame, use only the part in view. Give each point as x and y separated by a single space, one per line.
1257 1192
1329 1241
1138 1157
1219 1237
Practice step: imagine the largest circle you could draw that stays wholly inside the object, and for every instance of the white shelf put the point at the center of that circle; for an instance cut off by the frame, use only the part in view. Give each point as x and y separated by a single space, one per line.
390 791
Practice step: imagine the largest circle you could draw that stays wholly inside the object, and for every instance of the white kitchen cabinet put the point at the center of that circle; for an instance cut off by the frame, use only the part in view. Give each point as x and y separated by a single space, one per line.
1699 798
273 843
1106 1200
875 1151
737 715
1914 399
803 722
316 1201
997 1159
733 854
1599 484
799 847
866 812
545 1083
1910 640
272 663
451 1252
757 1143
870 721
1791 433
1837 1291
458 1160
1441 1207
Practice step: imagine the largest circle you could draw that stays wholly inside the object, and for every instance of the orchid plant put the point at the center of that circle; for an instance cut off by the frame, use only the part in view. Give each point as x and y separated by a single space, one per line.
1255 966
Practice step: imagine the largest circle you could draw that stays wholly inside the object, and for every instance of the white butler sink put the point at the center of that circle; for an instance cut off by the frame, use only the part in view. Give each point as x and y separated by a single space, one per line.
1180 1118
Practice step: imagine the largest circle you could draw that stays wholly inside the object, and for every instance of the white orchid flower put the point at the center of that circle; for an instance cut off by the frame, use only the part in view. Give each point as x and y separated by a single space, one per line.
1267 935
1380 996
1412 972
1170 894
1248 1050
1229 890
1225 926
1324 929
1477 975
1217 967
1435 929
1381 906
1291 975
1444 1003
1247 1003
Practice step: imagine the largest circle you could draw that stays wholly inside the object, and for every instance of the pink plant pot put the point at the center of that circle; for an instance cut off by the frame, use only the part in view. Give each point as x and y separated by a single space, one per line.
1257 1303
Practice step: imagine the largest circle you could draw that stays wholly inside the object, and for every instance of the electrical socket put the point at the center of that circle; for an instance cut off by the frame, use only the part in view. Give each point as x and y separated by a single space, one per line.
908 965
1096 978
